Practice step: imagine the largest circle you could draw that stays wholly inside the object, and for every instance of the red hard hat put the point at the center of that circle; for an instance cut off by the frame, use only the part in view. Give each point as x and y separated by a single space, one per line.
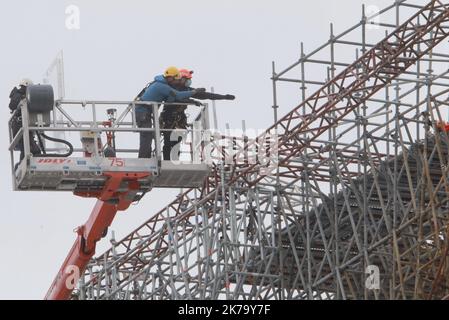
184 73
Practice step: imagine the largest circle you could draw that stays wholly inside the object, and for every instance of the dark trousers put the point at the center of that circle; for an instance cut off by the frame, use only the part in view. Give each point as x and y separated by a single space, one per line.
16 125
145 120
169 144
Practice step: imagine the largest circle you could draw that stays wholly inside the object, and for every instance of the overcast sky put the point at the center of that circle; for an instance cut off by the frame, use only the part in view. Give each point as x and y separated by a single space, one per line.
120 46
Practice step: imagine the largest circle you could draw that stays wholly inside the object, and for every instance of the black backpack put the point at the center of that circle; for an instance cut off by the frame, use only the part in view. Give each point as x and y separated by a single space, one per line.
143 90
16 95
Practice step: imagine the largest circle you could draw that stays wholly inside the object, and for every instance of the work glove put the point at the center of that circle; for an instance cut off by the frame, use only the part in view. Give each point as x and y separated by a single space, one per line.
229 97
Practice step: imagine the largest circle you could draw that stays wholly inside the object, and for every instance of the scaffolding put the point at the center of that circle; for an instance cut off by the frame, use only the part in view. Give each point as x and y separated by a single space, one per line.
355 206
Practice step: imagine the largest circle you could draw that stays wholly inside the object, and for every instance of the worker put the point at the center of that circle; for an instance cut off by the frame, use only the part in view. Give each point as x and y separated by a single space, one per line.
174 117
442 126
160 90
16 96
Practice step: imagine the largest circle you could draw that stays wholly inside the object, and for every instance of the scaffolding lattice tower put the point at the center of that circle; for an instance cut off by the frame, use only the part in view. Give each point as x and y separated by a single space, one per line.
360 184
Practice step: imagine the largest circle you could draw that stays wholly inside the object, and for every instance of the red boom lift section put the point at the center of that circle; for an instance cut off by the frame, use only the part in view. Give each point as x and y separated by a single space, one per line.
119 192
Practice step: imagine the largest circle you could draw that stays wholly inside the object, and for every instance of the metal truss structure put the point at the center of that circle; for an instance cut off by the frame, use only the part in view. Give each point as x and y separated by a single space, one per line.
356 205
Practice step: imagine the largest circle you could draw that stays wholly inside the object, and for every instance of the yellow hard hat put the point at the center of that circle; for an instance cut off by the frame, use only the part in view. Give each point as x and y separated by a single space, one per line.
172 72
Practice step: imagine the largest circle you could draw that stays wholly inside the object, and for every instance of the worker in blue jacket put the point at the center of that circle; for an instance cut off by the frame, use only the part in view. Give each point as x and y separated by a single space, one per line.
160 90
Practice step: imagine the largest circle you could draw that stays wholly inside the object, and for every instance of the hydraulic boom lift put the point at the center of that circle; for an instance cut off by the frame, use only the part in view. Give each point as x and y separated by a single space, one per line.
97 171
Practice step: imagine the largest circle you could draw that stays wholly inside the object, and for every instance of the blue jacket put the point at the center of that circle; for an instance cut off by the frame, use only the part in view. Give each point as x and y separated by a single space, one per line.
160 91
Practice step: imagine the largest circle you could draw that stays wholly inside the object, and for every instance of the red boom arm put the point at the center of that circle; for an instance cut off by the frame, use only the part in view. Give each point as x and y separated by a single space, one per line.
109 202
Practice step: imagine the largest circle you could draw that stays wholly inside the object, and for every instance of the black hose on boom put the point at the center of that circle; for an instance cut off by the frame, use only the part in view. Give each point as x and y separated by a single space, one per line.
62 155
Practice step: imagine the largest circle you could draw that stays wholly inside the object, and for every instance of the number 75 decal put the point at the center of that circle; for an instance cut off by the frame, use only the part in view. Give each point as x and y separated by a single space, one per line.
115 162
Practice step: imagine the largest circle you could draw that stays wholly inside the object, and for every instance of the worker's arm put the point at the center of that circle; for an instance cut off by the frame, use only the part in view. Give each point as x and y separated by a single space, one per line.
212 96
175 94
163 92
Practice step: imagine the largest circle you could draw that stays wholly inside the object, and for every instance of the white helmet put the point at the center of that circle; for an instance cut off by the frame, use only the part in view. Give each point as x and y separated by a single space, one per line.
26 82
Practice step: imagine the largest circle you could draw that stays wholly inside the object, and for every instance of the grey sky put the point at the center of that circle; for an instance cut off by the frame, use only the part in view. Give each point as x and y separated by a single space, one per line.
120 47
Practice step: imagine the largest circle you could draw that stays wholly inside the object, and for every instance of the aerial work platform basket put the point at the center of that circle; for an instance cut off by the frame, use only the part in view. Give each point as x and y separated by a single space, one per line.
81 142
